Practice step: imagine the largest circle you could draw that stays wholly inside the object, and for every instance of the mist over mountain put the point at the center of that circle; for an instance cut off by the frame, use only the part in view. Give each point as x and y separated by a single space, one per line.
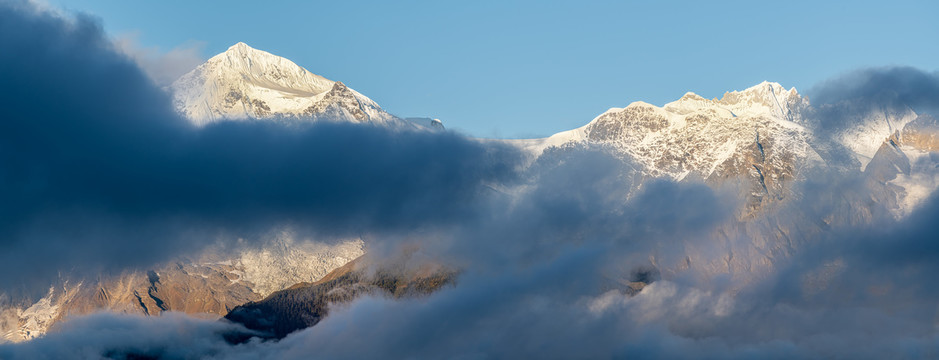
763 224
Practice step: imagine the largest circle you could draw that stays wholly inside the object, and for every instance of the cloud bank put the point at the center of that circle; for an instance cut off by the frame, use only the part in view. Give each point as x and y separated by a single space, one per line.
98 170
529 291
886 86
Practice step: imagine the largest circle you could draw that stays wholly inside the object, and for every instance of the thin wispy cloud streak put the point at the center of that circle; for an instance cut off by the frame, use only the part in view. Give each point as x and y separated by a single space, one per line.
163 67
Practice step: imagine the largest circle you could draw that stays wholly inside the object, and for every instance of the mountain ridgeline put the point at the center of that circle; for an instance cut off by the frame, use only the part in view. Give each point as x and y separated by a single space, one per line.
245 83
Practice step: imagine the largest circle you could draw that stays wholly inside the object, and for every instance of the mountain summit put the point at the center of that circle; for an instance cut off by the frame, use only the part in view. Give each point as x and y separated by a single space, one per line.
760 141
246 83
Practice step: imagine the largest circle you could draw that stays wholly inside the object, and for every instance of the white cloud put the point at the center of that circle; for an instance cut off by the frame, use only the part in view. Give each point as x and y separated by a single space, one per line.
163 67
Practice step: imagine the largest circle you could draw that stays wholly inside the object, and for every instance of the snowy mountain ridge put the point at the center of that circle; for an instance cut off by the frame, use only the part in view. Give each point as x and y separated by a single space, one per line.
694 135
208 286
245 83
761 140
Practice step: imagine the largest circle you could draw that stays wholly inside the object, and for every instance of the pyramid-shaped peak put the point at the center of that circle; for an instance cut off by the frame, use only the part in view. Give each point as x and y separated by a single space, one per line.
240 47
245 83
265 67
244 50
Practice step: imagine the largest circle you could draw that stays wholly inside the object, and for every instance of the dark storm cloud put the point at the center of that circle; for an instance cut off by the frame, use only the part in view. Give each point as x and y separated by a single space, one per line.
890 86
535 288
97 170
534 274
883 93
114 336
580 198
854 292
543 257
532 264
879 264
532 267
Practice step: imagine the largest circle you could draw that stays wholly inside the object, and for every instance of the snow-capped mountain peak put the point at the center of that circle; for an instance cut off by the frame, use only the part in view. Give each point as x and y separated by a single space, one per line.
765 96
705 137
761 138
247 83
263 68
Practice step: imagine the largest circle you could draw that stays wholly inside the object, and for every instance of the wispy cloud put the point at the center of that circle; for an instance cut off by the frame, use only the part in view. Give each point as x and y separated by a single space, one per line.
163 67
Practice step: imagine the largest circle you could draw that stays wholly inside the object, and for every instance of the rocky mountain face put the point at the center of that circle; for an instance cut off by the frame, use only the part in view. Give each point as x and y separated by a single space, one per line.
922 134
209 286
305 304
761 139
757 135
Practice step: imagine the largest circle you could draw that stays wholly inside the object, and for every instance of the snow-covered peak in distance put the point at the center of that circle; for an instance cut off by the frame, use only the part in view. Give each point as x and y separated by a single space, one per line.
266 69
758 140
694 134
765 96
247 83
758 130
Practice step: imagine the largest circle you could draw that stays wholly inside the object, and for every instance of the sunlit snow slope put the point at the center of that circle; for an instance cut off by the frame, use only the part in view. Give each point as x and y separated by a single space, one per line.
246 83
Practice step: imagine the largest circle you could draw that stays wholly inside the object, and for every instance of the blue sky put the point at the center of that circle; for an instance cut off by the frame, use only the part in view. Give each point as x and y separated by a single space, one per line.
533 68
